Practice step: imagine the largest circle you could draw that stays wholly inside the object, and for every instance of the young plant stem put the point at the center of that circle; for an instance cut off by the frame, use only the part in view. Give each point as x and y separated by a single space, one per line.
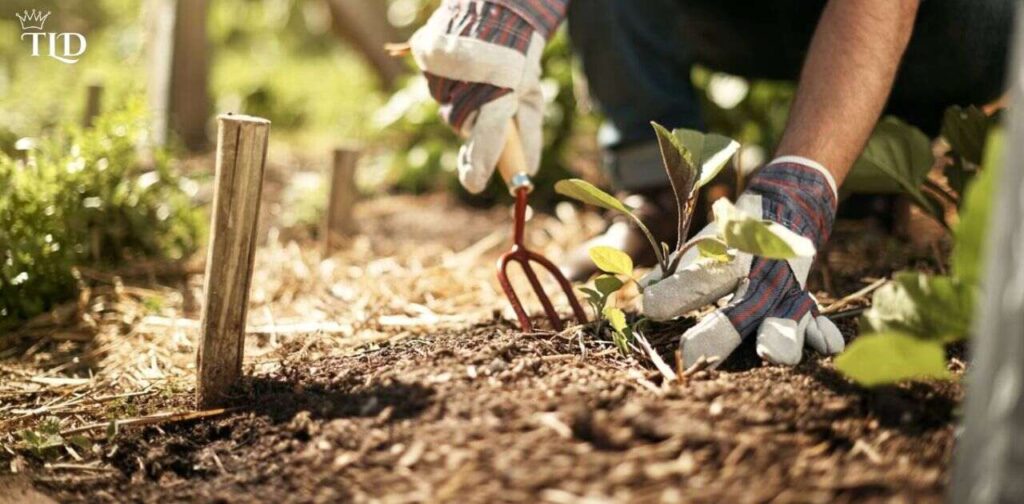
942 192
684 249
662 260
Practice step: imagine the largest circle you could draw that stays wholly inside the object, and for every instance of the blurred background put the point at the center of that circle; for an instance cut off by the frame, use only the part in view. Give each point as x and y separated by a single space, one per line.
108 161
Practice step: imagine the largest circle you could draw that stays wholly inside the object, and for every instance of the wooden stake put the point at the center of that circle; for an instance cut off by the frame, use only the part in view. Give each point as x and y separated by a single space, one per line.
241 157
338 221
93 104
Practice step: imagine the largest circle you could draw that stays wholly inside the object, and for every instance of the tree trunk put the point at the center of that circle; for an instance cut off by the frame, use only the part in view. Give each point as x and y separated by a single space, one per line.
178 53
190 100
990 455
364 25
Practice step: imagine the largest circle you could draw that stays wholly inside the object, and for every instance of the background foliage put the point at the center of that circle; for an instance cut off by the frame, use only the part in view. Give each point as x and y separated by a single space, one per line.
86 197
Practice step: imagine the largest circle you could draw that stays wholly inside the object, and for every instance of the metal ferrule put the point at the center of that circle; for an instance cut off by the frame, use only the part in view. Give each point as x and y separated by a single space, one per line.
519 181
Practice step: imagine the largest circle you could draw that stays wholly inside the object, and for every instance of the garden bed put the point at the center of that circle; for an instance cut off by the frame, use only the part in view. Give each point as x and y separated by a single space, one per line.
408 386
485 414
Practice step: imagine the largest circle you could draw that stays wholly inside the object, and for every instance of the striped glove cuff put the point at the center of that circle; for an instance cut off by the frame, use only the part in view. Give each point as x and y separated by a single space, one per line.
799 194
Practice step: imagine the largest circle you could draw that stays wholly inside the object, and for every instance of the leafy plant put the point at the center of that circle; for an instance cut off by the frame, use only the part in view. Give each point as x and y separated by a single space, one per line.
46 436
612 262
692 159
86 197
622 333
902 154
915 316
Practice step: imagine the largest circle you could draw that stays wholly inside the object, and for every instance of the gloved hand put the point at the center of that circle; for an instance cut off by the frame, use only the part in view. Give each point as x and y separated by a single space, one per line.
482 63
769 296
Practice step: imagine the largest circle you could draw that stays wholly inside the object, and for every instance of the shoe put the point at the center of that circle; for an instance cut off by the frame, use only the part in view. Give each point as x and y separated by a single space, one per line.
657 210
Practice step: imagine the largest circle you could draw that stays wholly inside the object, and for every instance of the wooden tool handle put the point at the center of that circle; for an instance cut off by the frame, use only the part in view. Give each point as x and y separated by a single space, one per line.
512 163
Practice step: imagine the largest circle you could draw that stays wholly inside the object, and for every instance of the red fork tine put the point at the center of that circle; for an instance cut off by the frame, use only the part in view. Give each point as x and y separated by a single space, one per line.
520 254
563 282
510 293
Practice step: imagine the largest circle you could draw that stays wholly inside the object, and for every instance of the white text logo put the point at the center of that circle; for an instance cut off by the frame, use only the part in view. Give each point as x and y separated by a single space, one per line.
63 47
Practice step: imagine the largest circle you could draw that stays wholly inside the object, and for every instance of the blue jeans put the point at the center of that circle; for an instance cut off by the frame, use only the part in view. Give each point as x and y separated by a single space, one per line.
638 55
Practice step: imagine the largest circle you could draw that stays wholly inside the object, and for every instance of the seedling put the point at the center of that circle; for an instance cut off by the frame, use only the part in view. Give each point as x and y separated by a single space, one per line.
692 159
613 263
46 437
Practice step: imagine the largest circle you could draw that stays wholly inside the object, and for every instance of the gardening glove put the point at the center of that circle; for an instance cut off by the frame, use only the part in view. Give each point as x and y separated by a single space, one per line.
482 64
769 296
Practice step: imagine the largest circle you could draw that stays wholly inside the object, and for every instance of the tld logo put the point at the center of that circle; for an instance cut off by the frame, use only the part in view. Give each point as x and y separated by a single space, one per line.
63 47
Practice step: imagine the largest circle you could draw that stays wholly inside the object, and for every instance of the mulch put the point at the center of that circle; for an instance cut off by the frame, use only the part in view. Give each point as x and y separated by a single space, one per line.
487 414
388 371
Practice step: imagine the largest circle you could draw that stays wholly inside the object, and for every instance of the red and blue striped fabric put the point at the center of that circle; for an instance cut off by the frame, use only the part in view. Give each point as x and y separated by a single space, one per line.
508 23
800 198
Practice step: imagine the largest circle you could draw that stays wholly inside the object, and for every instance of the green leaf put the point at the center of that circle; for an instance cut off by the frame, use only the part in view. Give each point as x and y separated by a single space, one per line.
970 237
891 357
692 160
81 442
682 175
709 152
593 296
616 318
585 192
611 260
758 237
901 153
713 248
45 436
966 130
929 307
607 285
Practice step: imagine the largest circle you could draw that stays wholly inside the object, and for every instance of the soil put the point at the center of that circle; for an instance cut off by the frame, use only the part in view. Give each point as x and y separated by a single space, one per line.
488 414
477 411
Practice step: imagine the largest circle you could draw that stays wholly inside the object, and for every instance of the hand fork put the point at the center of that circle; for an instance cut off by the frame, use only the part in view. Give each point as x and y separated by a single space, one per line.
512 166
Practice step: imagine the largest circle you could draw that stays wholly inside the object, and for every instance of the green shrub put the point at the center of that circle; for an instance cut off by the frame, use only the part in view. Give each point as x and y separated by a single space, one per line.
913 318
86 197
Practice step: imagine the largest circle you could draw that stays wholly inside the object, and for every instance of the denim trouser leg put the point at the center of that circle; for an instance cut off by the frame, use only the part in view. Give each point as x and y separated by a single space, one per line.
638 71
637 55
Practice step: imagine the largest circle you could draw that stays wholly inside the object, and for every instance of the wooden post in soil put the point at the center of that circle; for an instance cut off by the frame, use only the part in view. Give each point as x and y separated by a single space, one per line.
93 104
338 221
241 156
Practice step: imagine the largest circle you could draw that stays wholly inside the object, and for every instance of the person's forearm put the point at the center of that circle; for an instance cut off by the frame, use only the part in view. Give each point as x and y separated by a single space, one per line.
846 80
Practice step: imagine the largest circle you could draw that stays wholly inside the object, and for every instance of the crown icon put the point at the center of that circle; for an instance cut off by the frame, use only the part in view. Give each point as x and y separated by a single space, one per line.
33 20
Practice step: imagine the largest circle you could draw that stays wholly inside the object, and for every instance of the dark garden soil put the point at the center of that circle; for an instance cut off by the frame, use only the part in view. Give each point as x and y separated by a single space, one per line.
486 414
